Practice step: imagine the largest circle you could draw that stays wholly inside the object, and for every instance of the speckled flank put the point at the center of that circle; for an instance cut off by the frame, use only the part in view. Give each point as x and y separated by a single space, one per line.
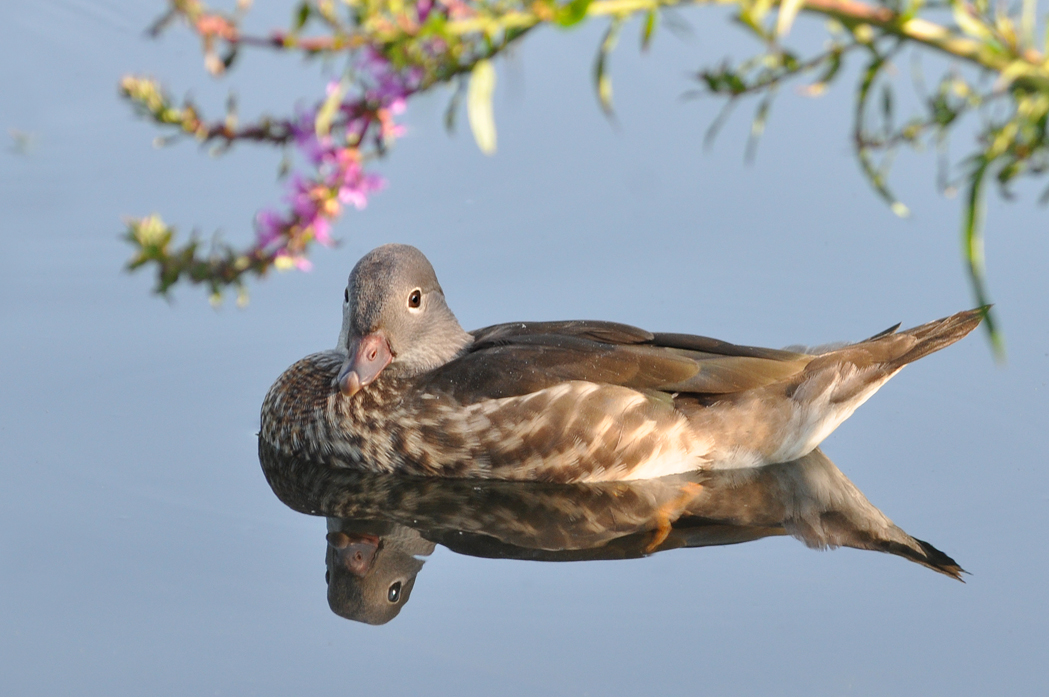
581 431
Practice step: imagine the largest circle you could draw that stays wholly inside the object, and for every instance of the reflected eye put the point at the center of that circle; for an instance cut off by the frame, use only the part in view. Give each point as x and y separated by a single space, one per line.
346 295
415 299
394 594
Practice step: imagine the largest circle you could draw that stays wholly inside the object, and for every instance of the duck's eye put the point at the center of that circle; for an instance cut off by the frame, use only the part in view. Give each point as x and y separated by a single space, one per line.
415 299
346 295
394 594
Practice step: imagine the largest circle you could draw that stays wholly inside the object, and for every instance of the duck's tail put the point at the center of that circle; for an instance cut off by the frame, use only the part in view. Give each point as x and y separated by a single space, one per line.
837 382
888 351
796 414
933 336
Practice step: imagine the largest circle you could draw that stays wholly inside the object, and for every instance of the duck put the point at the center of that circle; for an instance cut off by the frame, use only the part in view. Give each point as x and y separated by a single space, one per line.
408 391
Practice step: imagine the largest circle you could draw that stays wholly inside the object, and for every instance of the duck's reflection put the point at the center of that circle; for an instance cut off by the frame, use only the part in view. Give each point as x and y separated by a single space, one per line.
372 565
380 527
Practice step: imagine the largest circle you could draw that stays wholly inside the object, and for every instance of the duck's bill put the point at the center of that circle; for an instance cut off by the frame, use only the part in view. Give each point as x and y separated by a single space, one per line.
368 356
355 551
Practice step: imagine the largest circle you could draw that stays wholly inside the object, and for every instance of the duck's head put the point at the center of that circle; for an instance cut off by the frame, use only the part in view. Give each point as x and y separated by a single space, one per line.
394 318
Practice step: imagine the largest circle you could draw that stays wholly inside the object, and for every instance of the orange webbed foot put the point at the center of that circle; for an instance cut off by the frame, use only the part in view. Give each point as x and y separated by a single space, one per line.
669 512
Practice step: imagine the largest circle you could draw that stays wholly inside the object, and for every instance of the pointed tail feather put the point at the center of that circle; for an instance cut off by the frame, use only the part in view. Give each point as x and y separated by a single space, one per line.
886 332
885 353
930 557
941 333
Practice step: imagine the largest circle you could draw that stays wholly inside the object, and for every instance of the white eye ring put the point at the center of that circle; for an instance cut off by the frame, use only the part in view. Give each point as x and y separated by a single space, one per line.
415 300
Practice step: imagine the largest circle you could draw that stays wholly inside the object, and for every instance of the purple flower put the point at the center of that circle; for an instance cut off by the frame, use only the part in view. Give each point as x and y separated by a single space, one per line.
301 199
304 126
355 190
423 9
337 176
388 84
268 227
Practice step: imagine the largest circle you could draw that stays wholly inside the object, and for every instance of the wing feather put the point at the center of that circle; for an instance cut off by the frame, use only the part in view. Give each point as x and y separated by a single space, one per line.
521 358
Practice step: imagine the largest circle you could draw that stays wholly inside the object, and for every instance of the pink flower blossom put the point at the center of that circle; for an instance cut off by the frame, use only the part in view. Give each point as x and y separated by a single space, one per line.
315 200
423 9
268 227
321 231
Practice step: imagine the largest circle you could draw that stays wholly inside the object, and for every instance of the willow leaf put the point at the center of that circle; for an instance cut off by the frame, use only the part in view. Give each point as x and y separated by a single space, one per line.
479 106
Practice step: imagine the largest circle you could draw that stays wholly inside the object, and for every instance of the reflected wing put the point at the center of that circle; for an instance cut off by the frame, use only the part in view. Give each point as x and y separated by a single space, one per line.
515 359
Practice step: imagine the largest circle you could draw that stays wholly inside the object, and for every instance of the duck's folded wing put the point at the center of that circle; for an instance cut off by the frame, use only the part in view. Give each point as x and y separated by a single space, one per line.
517 359
605 332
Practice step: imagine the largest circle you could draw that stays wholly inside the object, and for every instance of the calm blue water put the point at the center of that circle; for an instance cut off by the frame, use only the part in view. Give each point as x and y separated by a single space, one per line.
142 549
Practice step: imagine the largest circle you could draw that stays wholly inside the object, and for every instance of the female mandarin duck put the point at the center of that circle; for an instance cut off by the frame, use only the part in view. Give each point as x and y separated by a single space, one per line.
408 390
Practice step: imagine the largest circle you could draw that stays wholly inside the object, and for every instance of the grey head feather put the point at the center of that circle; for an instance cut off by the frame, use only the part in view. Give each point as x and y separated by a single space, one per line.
378 299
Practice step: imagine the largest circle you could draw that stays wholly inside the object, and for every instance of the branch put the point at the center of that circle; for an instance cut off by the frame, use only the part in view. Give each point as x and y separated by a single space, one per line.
395 49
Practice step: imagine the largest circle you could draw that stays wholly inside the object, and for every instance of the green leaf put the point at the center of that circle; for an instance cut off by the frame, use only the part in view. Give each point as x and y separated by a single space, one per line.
571 13
1027 22
452 111
479 105
875 178
1015 70
833 63
788 11
757 126
749 20
302 14
602 81
330 107
972 248
230 57
648 28
715 126
154 30
435 25
886 106
970 24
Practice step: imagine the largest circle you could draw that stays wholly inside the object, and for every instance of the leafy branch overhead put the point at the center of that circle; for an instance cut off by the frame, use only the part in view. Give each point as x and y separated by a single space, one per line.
392 50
